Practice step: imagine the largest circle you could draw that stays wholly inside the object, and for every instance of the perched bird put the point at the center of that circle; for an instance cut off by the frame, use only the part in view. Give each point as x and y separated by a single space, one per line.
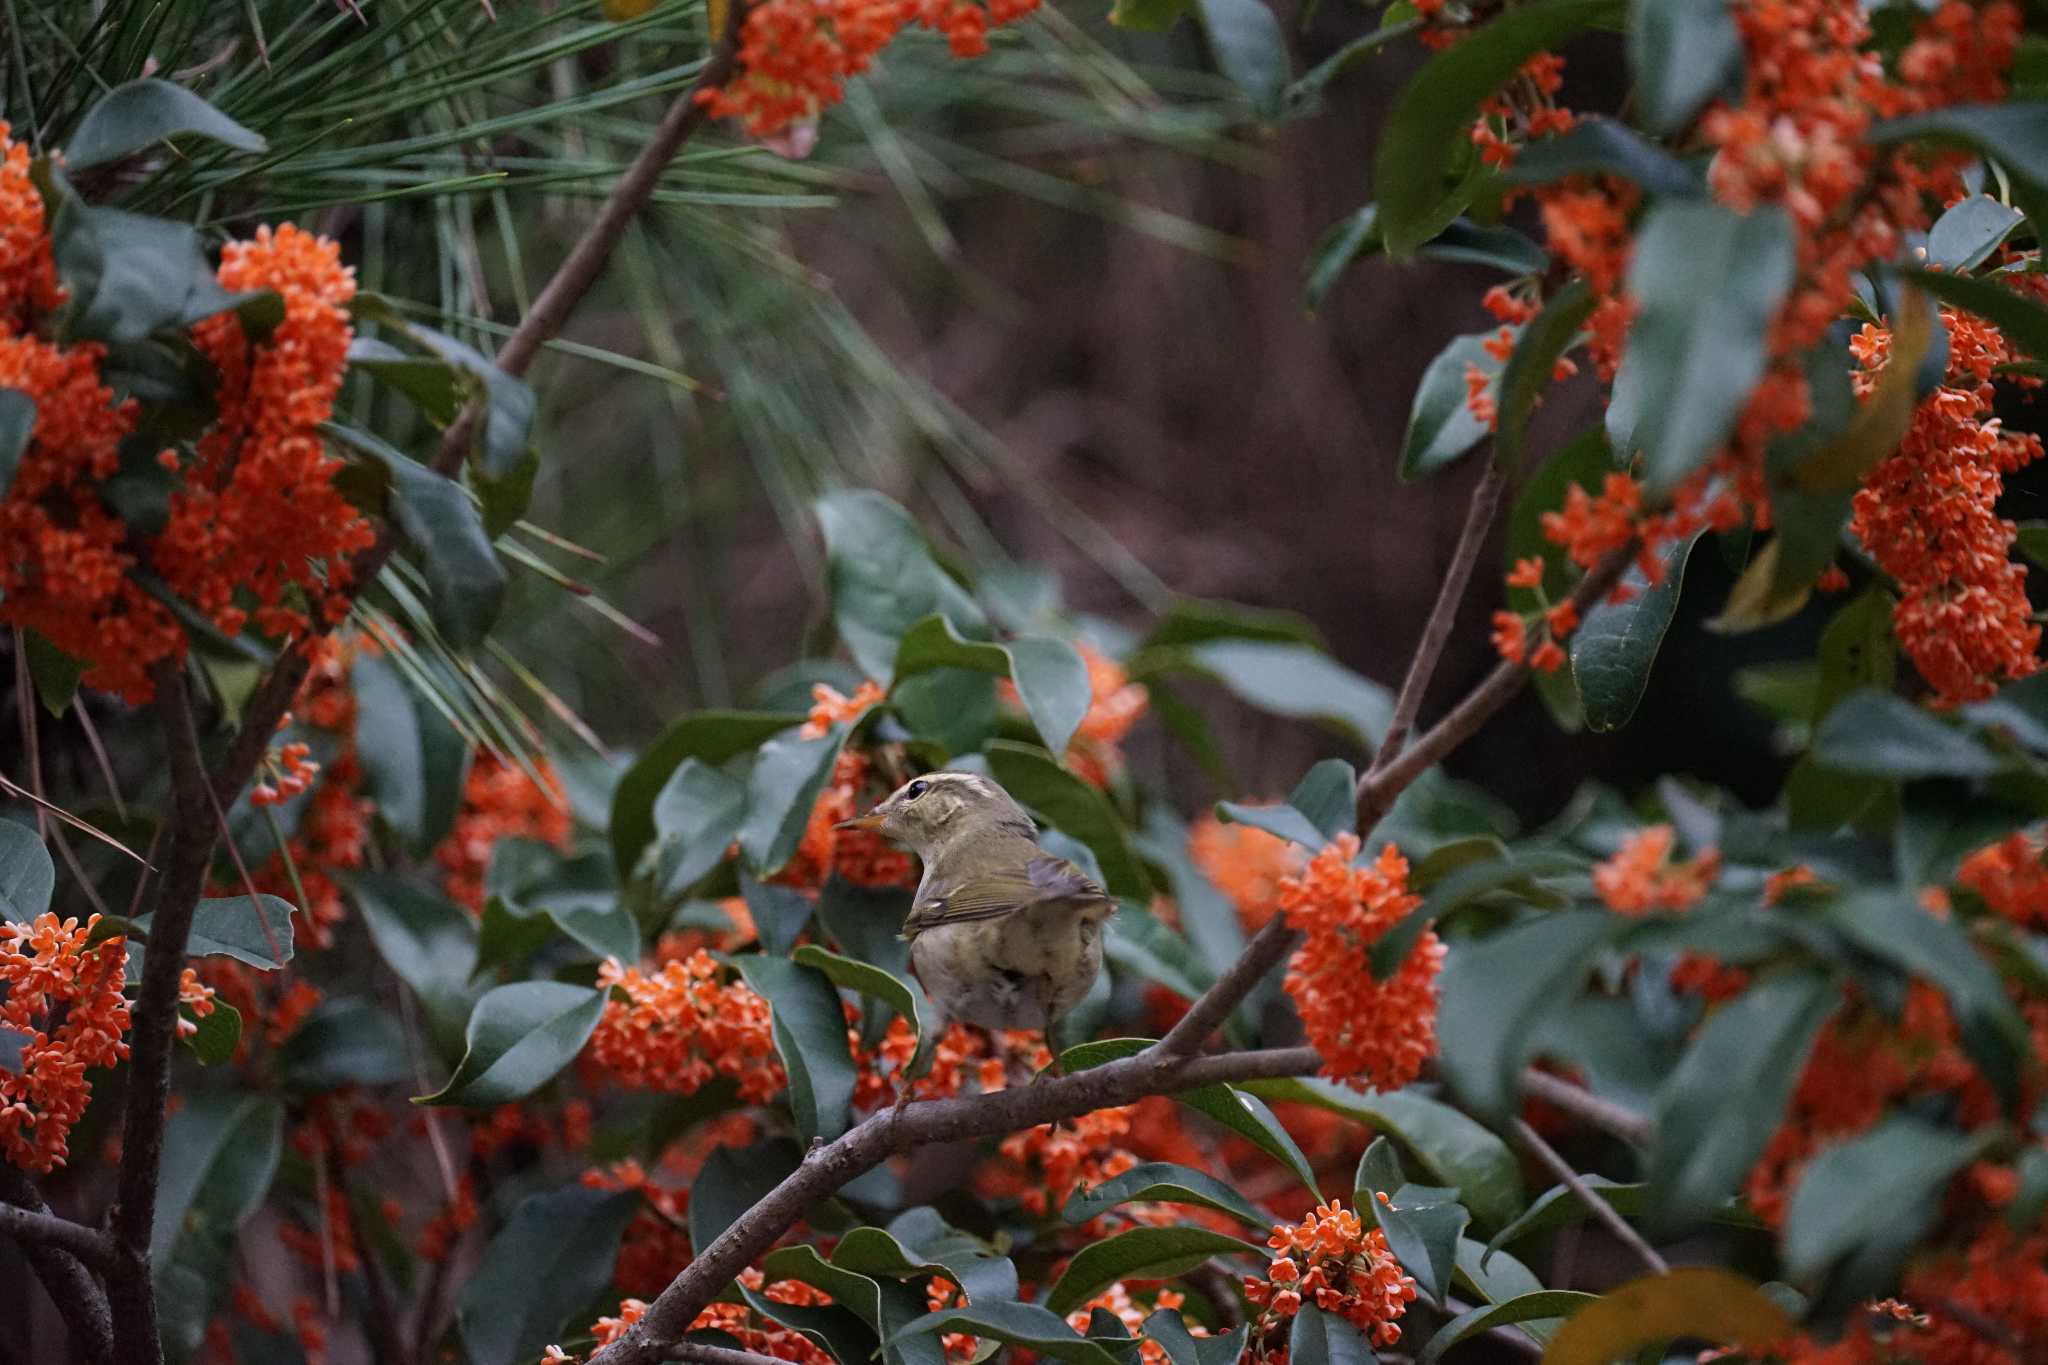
1002 933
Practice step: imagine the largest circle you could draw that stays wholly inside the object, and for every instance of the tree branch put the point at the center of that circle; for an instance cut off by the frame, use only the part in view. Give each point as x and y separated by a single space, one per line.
27 1226
1260 956
1581 1103
829 1166
1533 1143
71 1285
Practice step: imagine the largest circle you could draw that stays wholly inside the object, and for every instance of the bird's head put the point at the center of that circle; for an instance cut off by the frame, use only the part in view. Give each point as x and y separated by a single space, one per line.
940 810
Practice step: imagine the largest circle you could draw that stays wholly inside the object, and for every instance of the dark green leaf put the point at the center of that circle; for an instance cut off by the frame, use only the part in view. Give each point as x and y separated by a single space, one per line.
1684 52
216 1034
1559 1206
1249 48
1340 244
519 1037
130 118
27 876
2024 322
1721 1103
17 423
1297 682
1321 806
1247 1115
696 817
1970 231
508 933
1467 884
810 1036
1585 462
1147 16
1596 145
1441 426
2015 135
1876 734
709 736
734 1180
1422 1223
1138 942
388 745
1496 992
55 673
1529 369
1833 1214
220 1153
347 1040
1163 1182
1051 679
258 933
596 920
1319 1338
1167 1327
1553 1304
129 275
931 1242
1435 112
1019 1324
428 941
788 775
543 1268
884 579
1613 649
779 913
1072 806
1140 1254
1707 282
1194 621
1501 248
1857 650
864 920
1207 916
433 385
900 995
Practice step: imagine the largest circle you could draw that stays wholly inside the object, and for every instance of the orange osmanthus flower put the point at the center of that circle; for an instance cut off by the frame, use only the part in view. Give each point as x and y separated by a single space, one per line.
500 800
682 1027
2011 878
1246 864
1330 1259
1641 876
64 1000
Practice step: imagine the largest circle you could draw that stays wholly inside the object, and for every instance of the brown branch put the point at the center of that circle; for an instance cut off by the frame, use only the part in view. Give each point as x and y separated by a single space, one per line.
70 1283
1260 956
828 1166
703 1353
1533 1143
89 1245
1581 1103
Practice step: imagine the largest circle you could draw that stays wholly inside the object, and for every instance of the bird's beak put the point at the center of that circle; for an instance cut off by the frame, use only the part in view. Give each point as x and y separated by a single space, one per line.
871 821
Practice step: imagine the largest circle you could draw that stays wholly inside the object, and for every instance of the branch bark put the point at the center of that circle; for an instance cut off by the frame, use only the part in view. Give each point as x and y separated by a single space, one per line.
33 1227
1581 1103
70 1282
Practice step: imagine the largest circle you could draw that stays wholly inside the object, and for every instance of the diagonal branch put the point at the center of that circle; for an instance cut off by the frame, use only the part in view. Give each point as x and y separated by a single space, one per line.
828 1166
1604 1212
1583 1104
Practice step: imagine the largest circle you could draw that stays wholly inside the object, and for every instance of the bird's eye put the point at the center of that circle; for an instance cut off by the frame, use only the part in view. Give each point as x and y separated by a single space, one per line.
916 789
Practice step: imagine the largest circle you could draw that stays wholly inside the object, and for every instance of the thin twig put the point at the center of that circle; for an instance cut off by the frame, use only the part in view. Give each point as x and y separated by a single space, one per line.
99 754
1533 1142
1579 1102
89 1245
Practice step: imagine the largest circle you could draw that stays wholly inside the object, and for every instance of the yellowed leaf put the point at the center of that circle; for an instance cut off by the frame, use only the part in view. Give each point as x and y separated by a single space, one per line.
1880 424
1699 1301
618 11
717 13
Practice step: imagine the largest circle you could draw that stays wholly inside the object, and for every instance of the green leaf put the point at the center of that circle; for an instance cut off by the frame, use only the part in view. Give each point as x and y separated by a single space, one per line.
1496 992
1017 1324
1072 806
900 995
1450 1147
1832 1213
1559 1206
1341 243
1166 1183
429 942
1708 282
1719 1106
1435 112
17 424
1247 1115
1597 145
443 525
1319 1338
598 921
779 913
1140 1254
1207 916
519 1037
388 745
1614 647
1194 621
219 1032
1139 942
1250 49
545 1266
55 673
1969 232
27 876
1297 682
883 578
346 1040
1167 1327
130 276
810 1036
1857 650
1422 1223
1051 678
1876 734
2024 322
734 1180
259 934
1441 427
2015 134
712 737
1321 806
131 118
1550 1304
789 773
1147 16
220 1153
1481 880
1683 52
1528 373
1585 462
917 1243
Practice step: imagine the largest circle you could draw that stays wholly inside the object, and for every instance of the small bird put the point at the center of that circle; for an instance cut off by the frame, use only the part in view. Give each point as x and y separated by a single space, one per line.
1002 933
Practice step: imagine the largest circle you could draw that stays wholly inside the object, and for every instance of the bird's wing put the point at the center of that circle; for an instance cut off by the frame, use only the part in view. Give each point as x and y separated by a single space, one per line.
1042 880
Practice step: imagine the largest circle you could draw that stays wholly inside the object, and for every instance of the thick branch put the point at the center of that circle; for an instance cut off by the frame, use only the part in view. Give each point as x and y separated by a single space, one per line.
89 1245
71 1285
828 1167
1260 956
701 1353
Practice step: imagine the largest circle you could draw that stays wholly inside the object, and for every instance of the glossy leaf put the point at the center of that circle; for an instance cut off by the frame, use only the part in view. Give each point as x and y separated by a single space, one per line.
520 1036
1050 676
1300 683
346 1040
1321 806
918 1242
1614 648
733 1180
1876 734
2014 134
1140 1254
1707 282
429 942
1548 1304
131 276
1560 1206
1422 1224
902 996
1683 52
1017 1324
696 817
134 117
810 1037
1969 232
1496 992
1480 881
1250 49
1319 1338
546 1264
1167 1327
1247 1115
788 775
1832 1215
214 1036
883 578
1694 1301
1165 1183
220 1153
1719 1106
1435 111
711 737
1441 426
1532 363
389 746
55 673
1070 805
28 878
259 934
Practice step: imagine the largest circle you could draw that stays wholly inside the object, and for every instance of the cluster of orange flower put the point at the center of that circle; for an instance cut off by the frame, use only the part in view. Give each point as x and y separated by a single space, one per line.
500 800
1641 875
1371 1034
63 1000
1246 864
751 1330
247 1305
256 529
681 1026
795 56
1332 1260
1797 138
1117 1301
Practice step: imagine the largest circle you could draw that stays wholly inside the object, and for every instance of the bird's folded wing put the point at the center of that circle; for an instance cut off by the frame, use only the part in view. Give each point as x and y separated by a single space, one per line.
993 894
